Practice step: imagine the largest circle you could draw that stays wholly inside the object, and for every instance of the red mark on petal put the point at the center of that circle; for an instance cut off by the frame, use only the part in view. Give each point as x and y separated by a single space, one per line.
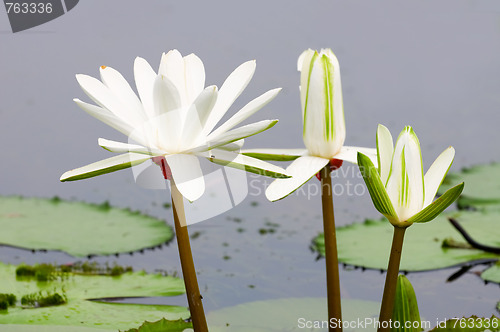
160 161
334 165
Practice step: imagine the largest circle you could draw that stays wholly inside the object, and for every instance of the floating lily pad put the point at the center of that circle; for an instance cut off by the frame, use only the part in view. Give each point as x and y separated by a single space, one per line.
79 289
31 328
292 314
368 244
492 274
470 324
77 228
482 186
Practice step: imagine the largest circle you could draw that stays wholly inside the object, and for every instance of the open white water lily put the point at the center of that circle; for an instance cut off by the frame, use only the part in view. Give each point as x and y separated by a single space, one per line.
174 117
399 189
323 125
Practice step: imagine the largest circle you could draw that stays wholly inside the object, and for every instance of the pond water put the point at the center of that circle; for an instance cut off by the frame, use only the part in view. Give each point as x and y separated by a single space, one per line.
432 65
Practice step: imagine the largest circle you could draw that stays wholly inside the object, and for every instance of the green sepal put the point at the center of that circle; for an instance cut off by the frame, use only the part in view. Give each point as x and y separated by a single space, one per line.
375 187
439 205
406 307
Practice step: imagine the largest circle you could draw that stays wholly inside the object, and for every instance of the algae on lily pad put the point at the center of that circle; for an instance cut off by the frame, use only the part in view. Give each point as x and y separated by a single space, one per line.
290 314
482 189
368 244
80 289
163 325
77 228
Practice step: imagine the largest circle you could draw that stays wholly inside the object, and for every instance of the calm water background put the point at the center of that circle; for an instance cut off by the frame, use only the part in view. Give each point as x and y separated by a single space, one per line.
434 65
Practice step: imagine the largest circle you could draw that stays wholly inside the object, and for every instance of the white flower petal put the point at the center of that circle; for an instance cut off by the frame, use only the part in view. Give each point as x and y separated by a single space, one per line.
234 146
105 116
172 67
168 120
350 154
105 166
232 87
119 147
275 154
241 132
385 149
194 76
105 98
301 170
436 173
187 175
196 117
120 87
414 169
248 110
144 80
239 161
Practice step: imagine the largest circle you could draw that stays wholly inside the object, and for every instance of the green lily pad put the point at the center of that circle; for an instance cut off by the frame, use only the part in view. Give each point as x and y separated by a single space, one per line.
368 244
77 228
492 274
470 324
78 289
482 186
31 328
292 314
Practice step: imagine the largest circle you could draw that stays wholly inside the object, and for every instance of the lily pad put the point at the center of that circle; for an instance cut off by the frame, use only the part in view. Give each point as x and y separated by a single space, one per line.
470 324
77 228
291 314
30 328
492 274
368 244
482 186
79 289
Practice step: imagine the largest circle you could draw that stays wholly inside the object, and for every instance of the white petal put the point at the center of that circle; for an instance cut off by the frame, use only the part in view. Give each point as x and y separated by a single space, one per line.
304 56
241 132
246 111
350 154
144 80
172 67
105 116
168 118
120 87
196 117
239 161
195 76
234 146
119 147
275 154
187 174
415 171
105 98
231 89
436 173
385 150
301 170
105 166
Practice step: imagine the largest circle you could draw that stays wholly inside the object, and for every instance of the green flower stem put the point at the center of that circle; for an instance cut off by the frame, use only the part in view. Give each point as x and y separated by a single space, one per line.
391 279
332 264
188 271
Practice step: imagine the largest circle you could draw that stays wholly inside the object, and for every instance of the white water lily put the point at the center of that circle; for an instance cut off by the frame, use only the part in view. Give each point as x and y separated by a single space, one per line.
323 125
174 117
399 189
